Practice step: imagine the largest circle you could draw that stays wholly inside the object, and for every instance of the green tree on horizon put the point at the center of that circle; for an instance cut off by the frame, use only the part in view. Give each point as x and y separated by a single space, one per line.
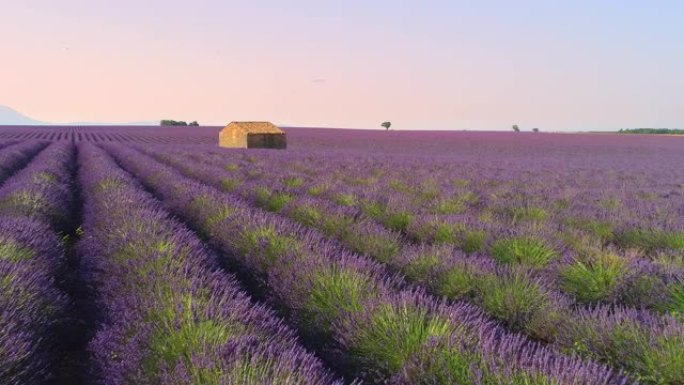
652 131
170 122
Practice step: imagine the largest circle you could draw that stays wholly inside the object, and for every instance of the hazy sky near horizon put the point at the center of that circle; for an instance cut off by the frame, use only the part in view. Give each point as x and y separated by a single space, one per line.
557 65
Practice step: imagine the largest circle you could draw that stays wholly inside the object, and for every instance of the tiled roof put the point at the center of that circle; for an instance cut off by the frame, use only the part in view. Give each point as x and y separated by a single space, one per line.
255 127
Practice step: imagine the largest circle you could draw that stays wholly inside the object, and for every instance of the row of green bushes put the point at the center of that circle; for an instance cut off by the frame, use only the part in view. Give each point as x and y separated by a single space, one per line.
169 122
660 131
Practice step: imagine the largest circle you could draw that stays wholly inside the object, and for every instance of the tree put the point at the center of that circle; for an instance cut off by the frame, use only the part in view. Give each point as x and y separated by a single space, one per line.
169 122
535 130
656 131
516 128
386 125
193 123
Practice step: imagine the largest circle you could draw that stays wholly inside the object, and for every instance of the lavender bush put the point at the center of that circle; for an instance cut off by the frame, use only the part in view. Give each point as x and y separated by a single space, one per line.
538 304
407 258
34 207
169 314
311 275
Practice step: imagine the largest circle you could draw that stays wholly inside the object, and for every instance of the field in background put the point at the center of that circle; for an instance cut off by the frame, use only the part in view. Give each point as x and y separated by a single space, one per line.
389 257
399 142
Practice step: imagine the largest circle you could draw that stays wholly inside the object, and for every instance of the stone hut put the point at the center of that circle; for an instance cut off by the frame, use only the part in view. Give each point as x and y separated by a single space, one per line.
252 135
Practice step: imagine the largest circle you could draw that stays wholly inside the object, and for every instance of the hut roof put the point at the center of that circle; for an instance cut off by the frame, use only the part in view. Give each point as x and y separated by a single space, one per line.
255 127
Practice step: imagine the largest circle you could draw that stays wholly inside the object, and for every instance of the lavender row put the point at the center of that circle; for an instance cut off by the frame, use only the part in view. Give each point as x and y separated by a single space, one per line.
601 201
44 189
34 204
520 297
594 275
614 276
30 305
633 216
5 143
16 156
371 327
169 315
273 189
121 134
438 187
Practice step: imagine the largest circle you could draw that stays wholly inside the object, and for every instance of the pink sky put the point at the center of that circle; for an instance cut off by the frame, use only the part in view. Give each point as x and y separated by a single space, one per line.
434 64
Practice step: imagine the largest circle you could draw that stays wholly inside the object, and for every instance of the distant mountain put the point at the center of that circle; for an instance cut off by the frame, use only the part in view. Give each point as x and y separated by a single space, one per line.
10 117
110 124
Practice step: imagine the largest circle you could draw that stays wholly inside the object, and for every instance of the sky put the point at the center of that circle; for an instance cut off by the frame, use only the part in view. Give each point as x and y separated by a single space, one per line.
424 64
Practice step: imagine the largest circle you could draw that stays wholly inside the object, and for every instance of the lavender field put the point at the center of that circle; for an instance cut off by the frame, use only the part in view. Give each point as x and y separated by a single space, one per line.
148 255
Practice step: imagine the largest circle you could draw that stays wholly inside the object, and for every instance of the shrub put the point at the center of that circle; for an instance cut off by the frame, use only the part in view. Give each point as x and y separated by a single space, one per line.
632 340
427 193
266 244
456 204
317 190
394 333
229 184
449 206
530 251
334 292
201 203
13 252
457 282
421 265
473 241
651 240
461 364
293 182
271 201
307 215
398 221
443 233
336 225
644 290
675 303
399 186
648 345
610 203
251 370
528 213
460 182
378 245
178 336
358 181
456 234
592 281
601 230
512 297
345 199
372 209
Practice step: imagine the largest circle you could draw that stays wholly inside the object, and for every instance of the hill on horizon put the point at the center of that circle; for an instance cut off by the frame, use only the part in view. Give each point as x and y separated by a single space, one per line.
8 116
12 117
